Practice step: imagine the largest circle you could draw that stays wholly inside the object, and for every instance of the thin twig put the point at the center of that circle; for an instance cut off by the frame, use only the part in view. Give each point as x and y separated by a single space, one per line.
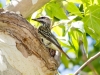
88 61
85 57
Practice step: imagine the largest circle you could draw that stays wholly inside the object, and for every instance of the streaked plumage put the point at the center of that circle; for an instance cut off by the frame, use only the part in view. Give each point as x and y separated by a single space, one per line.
48 38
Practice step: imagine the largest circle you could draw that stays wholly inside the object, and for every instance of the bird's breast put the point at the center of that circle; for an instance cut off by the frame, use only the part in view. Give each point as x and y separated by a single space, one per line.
50 44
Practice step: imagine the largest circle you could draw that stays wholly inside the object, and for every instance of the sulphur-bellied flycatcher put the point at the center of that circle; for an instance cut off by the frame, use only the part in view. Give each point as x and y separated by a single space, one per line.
49 39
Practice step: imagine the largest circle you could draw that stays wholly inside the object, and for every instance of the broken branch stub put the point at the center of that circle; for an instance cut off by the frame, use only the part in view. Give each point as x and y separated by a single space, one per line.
27 41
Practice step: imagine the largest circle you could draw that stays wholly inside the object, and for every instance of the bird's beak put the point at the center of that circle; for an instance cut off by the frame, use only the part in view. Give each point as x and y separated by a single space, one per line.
35 19
38 19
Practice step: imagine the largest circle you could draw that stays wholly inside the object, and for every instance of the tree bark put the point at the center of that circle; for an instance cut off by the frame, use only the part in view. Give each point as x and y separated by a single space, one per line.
25 7
21 51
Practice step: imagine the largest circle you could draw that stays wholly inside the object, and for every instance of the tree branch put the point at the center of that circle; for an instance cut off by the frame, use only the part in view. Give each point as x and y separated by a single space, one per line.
88 61
85 57
25 7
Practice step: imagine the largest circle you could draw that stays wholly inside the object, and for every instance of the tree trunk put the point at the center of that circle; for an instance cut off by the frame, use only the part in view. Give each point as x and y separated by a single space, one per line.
21 51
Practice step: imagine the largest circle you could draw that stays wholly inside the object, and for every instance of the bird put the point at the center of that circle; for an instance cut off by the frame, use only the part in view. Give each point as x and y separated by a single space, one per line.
48 38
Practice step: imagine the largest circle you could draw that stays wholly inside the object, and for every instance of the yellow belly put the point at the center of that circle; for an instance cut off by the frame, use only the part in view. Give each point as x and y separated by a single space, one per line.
50 45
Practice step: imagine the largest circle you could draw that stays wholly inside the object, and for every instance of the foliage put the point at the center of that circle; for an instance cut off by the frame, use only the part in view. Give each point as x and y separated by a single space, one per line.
74 21
1 5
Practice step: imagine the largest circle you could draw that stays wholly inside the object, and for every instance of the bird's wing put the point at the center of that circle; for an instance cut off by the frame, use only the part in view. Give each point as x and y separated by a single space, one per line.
46 33
49 36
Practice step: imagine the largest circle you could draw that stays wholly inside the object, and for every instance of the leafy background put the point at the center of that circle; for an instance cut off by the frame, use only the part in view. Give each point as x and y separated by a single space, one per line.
76 25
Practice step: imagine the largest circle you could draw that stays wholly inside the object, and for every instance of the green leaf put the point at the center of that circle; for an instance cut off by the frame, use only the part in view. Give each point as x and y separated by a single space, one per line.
63 29
75 1
87 1
98 2
59 30
74 41
92 22
76 35
64 60
71 7
1 5
48 10
54 9
64 44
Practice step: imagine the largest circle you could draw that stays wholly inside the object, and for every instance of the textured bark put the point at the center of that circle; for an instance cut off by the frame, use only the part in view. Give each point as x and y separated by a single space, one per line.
21 49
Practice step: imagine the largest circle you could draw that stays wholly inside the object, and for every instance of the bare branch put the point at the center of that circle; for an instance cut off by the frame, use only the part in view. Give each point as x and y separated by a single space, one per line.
25 7
87 62
85 57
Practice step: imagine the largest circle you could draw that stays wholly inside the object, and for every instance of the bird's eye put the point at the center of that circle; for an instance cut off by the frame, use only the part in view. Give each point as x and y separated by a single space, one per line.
42 17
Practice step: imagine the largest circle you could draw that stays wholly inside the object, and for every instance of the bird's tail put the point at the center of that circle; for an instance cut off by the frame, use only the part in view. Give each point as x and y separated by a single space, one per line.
65 54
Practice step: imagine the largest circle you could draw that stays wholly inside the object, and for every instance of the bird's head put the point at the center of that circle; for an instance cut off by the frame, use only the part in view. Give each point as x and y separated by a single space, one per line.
44 20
